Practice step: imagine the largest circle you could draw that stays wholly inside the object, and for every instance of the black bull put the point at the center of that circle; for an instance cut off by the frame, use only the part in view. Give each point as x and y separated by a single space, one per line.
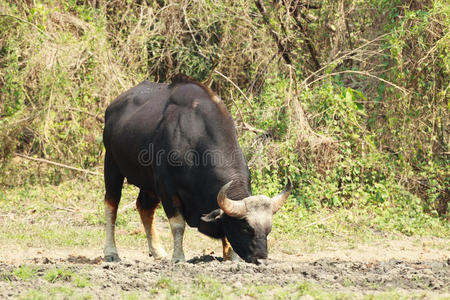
177 143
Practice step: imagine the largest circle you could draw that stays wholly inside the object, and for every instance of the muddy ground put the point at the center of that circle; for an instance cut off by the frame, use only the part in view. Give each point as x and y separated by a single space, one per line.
360 269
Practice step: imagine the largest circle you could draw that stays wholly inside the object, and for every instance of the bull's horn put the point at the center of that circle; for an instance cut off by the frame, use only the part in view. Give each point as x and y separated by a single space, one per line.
278 200
232 208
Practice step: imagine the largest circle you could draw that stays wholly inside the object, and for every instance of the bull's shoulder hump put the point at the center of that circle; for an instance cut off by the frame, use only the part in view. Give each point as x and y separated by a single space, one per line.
137 96
197 96
192 86
150 86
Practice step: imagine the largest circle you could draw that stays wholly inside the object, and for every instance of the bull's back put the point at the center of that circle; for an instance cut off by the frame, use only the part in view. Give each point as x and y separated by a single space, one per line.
130 122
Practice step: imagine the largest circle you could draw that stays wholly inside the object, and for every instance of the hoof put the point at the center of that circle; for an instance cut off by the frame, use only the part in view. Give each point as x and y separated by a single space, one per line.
232 256
178 260
158 254
112 258
157 257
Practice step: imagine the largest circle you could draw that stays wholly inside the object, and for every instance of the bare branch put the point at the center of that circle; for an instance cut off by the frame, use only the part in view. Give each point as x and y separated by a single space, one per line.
281 48
342 57
361 73
237 87
308 41
245 124
100 119
57 164
26 22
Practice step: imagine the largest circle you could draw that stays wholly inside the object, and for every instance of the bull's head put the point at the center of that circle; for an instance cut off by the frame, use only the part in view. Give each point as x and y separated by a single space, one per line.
246 223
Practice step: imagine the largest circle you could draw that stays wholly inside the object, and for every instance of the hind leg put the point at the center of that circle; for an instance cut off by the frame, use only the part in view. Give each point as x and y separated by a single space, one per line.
228 252
113 187
146 204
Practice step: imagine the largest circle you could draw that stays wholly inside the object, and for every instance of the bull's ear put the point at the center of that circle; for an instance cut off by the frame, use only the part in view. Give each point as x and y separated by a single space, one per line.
213 216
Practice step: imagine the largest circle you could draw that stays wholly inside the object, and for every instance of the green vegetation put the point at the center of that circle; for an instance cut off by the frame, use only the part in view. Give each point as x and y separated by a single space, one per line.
58 274
74 282
166 285
350 102
24 272
189 291
348 98
58 292
208 288
54 275
67 216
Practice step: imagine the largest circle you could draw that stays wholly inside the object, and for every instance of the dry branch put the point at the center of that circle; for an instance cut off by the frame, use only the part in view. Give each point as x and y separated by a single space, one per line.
246 125
361 73
342 57
57 164
318 221
308 41
237 87
100 119
281 48
26 22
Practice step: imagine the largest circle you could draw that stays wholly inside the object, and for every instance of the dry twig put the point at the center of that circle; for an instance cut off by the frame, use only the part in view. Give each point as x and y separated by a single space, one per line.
318 221
26 22
361 73
237 87
58 164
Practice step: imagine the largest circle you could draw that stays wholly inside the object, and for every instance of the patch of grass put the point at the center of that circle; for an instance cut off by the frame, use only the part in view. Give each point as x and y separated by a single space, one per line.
68 216
58 292
62 291
34 295
67 275
393 295
39 235
24 272
307 288
320 230
80 281
209 288
131 295
168 285
54 275
256 291
64 215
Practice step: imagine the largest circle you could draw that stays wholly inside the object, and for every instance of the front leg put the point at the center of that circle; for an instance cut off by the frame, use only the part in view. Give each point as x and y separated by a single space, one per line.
177 226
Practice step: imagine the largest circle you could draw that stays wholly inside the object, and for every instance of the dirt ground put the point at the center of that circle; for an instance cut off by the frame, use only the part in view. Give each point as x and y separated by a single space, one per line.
398 264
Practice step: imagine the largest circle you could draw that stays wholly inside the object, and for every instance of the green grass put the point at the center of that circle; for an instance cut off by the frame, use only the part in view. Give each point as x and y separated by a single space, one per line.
24 272
54 275
63 283
71 215
132 295
70 284
207 288
163 289
80 281
58 292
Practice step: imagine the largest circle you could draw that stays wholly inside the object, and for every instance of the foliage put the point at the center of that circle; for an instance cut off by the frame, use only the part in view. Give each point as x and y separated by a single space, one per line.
349 101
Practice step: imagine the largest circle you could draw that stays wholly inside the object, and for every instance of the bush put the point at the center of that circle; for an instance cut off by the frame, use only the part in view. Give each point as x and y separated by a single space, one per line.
348 101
